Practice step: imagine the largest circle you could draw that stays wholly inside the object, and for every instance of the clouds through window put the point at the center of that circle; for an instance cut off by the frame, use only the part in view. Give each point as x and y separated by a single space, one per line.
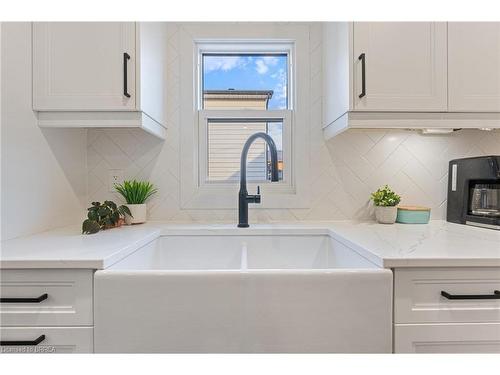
248 72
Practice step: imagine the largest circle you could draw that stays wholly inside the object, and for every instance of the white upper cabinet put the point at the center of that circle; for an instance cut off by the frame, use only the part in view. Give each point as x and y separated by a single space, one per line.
84 66
100 74
404 66
410 75
474 66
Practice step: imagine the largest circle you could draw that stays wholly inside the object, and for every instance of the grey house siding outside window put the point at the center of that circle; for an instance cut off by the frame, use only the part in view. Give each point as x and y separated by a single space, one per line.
226 138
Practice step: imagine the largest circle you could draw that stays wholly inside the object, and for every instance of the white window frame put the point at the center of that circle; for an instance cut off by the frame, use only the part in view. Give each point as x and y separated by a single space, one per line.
196 191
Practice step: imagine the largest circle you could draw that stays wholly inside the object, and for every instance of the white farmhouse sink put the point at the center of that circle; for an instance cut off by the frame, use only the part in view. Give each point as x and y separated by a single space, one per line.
243 253
243 293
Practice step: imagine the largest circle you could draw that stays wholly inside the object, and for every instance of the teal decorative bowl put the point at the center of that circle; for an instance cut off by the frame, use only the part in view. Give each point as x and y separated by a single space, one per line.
413 215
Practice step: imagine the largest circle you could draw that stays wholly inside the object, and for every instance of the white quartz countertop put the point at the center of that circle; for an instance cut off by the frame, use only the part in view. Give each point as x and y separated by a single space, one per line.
437 244
68 248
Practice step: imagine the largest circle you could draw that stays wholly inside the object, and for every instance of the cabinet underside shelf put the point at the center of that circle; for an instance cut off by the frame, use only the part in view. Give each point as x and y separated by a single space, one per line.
411 120
117 119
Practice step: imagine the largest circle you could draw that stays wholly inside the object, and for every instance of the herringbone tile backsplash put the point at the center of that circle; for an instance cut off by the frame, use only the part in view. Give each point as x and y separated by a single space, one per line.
344 170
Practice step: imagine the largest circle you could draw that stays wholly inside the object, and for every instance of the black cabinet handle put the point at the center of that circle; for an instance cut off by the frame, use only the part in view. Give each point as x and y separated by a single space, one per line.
363 75
495 295
43 297
23 343
126 57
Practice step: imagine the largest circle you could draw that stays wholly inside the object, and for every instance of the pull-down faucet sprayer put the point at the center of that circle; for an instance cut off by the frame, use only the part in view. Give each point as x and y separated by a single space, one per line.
243 197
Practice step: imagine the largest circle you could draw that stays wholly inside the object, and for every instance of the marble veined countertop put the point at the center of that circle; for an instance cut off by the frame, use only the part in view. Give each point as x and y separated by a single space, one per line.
437 244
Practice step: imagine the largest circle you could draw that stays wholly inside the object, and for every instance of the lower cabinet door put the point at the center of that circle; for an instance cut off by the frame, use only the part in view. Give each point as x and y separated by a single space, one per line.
447 338
47 339
61 297
418 295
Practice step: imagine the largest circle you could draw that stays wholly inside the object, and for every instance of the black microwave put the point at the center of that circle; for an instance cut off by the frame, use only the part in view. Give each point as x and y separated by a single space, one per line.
474 191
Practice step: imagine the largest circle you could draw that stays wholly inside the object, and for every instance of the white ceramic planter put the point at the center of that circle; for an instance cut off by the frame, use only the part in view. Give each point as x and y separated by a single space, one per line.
386 215
138 212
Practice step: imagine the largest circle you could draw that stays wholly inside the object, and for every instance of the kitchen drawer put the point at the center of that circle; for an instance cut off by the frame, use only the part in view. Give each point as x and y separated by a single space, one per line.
68 302
418 299
447 338
54 339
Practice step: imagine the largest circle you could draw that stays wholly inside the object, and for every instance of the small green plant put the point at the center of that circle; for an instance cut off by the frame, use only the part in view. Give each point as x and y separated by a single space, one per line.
136 192
385 197
103 216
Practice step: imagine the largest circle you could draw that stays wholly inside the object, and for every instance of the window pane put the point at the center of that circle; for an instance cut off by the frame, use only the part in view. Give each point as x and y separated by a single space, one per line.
245 81
225 142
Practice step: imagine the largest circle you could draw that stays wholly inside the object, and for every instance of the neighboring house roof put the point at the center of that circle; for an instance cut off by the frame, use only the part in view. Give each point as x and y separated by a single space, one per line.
238 94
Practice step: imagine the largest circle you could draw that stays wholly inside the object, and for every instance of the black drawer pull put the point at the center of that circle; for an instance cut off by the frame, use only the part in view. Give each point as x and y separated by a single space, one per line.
43 297
23 343
495 295
126 57
362 57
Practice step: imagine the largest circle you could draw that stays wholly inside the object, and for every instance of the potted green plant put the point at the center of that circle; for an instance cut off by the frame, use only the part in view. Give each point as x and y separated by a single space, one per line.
104 216
386 202
136 193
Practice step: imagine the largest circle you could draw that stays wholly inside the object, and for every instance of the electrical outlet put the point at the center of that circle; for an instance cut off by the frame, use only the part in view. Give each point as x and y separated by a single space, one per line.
115 176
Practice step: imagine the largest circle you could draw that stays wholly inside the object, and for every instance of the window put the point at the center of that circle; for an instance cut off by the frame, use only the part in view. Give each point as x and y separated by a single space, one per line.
231 88
232 80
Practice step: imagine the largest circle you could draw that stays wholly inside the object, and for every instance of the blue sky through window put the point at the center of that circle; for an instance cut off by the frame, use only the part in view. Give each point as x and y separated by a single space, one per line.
248 72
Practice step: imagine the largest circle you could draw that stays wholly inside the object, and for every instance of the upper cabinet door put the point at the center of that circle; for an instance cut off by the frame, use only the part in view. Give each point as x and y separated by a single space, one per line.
474 66
404 66
84 66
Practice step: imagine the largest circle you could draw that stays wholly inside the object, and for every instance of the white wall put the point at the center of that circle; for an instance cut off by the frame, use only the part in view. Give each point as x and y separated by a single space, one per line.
43 171
344 170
